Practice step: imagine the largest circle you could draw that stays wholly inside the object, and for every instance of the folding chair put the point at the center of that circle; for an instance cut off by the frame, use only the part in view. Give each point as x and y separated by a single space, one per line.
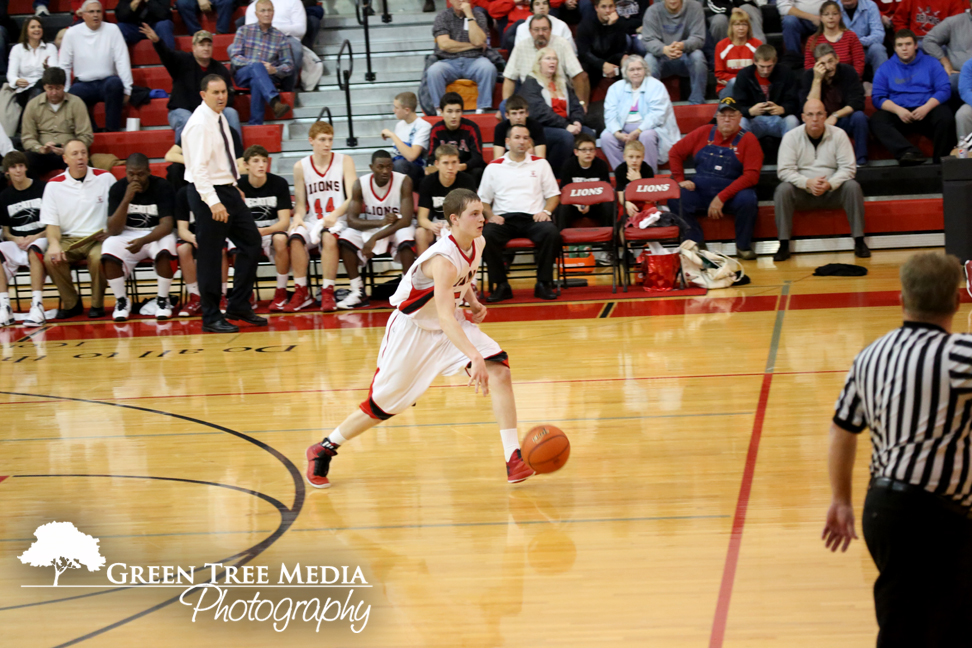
652 190
598 238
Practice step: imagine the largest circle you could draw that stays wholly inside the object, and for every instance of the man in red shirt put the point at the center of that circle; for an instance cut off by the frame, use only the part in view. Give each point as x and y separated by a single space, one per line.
727 164
920 16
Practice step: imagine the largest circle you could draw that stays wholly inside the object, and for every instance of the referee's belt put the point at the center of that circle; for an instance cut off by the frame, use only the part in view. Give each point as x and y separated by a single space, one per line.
903 487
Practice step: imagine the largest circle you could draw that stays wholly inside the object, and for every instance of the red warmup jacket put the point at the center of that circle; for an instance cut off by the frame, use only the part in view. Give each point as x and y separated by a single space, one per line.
509 9
920 16
748 152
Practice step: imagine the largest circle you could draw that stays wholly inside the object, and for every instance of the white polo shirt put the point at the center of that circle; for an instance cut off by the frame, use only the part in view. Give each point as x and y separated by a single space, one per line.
518 187
78 207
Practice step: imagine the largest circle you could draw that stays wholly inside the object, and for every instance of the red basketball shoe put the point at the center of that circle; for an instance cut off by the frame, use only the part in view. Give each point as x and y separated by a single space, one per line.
192 307
279 301
301 299
516 468
318 462
327 300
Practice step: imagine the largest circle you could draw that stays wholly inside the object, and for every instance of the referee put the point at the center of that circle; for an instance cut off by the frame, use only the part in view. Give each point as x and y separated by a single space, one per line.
220 211
913 389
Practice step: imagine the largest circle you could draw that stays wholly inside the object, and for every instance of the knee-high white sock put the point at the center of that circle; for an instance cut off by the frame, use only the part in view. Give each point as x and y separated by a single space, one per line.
193 288
4 298
165 286
117 287
511 442
357 284
300 281
282 280
37 296
327 283
336 437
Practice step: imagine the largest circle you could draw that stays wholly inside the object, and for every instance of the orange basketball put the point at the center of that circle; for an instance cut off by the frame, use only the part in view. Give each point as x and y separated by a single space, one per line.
545 448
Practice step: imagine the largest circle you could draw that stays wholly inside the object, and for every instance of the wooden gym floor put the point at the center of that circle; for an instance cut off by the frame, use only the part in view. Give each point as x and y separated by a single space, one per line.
689 514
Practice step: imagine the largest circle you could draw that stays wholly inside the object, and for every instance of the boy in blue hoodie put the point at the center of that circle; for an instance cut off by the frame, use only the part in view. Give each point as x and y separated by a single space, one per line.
910 92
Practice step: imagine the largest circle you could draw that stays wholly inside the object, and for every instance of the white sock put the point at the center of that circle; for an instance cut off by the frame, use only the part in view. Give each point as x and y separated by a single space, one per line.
4 298
193 288
282 280
117 287
225 287
37 296
300 281
327 283
511 442
165 286
336 437
357 284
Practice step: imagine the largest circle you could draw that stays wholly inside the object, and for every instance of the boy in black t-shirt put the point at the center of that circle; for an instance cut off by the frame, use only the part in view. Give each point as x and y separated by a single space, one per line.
432 194
186 249
268 197
20 205
634 167
460 132
140 209
518 114
585 166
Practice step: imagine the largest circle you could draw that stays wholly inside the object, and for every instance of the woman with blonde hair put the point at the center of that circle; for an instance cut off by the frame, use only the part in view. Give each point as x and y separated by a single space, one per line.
833 30
734 52
552 100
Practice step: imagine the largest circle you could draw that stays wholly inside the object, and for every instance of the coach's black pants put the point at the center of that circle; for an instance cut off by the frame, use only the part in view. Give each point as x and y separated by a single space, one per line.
546 242
210 238
923 551
938 126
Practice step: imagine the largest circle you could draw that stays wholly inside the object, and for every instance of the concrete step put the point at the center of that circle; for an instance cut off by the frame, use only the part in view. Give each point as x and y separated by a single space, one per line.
368 127
403 12
382 41
389 66
362 94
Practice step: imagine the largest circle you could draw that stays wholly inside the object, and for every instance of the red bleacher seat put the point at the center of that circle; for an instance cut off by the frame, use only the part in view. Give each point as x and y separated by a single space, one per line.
26 7
155 112
156 78
155 143
206 20
143 53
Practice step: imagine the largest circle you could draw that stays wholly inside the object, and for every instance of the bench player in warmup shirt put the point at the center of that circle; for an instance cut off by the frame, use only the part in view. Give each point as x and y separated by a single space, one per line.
186 250
379 221
432 192
25 238
268 197
321 182
428 335
140 209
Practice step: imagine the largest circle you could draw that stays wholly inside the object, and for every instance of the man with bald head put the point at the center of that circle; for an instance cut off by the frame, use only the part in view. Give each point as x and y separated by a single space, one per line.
816 168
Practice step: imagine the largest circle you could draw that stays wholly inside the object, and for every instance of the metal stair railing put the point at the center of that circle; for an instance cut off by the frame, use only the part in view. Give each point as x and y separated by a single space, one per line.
362 9
344 83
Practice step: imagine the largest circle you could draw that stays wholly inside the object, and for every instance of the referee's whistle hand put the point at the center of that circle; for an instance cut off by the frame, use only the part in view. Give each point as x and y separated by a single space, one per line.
220 215
839 530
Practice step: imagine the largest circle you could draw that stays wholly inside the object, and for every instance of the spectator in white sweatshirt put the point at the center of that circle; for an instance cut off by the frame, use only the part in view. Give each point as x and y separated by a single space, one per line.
96 53
290 17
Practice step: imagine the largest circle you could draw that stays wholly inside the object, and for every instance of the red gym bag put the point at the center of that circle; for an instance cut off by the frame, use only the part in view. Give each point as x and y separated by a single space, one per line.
660 272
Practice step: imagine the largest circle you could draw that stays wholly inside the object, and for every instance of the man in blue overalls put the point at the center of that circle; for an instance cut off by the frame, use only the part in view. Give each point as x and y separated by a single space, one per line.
727 164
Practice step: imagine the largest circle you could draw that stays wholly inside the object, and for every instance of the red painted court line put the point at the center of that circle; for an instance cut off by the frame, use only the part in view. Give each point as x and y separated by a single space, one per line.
2 477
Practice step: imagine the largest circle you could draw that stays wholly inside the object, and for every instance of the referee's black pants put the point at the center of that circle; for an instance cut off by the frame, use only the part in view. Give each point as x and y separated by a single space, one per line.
210 239
546 242
923 551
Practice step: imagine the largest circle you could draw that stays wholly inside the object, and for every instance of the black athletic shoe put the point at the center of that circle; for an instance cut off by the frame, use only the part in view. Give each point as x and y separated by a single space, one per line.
319 462
68 313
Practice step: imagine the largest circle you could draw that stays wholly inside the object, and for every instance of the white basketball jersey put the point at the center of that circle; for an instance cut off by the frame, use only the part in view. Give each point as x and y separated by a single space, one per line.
325 187
381 201
416 292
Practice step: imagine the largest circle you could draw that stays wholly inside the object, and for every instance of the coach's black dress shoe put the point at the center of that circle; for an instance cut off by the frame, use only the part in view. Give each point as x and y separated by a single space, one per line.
220 326
96 311
249 317
68 313
502 292
543 291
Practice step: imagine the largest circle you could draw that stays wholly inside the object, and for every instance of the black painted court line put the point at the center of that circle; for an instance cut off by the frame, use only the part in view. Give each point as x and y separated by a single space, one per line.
608 307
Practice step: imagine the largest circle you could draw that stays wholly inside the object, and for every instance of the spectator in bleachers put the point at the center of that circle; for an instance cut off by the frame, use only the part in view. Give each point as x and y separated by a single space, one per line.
140 223
460 45
97 55
602 43
585 166
638 108
456 130
189 12
290 18
733 53
963 117
50 121
261 60
25 237
632 168
157 14
28 60
766 94
557 26
816 171
921 16
518 114
432 192
75 211
842 93
800 18
411 137
719 23
524 57
187 72
519 194
552 100
864 18
727 165
910 92
674 33
950 41
508 15
833 31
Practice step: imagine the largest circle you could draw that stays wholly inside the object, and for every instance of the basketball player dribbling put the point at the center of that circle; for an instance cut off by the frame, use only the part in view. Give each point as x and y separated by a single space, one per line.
428 335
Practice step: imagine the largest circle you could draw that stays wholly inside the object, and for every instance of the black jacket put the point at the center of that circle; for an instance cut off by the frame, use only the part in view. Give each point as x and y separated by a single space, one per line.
149 11
845 81
543 113
783 90
598 44
187 77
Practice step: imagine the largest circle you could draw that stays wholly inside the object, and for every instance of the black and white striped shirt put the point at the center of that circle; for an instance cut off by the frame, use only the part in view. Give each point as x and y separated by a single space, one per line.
913 389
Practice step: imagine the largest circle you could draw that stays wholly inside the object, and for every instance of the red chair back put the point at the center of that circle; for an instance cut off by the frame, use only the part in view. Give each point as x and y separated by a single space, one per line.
652 190
586 193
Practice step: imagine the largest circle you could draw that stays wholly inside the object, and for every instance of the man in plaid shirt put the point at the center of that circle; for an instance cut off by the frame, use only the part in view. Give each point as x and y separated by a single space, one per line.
261 61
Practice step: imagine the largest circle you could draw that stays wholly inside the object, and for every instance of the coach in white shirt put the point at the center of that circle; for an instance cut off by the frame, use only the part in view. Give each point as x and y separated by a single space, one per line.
97 54
519 194
74 208
220 211
290 17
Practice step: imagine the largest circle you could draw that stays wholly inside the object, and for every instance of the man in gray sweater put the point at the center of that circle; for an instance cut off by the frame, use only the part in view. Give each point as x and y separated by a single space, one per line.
816 168
674 33
950 41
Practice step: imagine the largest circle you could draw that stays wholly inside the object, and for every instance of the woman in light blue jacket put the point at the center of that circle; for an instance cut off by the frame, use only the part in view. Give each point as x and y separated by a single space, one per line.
638 108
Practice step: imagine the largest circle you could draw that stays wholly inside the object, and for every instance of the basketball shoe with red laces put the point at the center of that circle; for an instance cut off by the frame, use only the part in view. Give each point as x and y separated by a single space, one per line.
301 299
279 301
319 461
516 468
328 303
192 307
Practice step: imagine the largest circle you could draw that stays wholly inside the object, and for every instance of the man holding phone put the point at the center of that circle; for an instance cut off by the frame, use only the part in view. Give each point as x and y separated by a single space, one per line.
766 94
